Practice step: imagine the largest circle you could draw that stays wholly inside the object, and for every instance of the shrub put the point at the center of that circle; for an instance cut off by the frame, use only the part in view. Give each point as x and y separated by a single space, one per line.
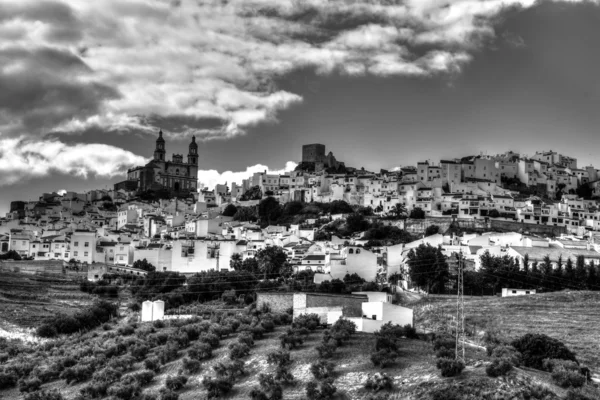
53 394
579 394
153 364
47 331
108 375
499 367
320 390
552 363
167 352
536 347
176 383
29 385
378 382
77 373
327 349
445 353
217 387
322 369
444 341
124 391
508 352
450 367
167 394
200 351
280 358
238 350
191 366
158 324
7 380
290 339
139 351
246 338
384 358
230 369
94 390
211 339
268 325
269 389
567 378
308 321
258 332
142 377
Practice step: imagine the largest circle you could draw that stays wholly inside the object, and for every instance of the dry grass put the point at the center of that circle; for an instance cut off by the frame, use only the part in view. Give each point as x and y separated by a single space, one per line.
28 299
570 316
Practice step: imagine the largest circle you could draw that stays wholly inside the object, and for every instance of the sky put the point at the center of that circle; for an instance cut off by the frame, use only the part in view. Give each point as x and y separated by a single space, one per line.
85 86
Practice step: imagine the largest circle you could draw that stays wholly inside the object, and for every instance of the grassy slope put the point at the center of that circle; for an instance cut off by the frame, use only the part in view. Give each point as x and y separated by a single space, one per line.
27 299
572 317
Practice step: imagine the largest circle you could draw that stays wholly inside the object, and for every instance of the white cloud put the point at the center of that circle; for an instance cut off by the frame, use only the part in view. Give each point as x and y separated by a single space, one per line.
22 159
209 178
118 63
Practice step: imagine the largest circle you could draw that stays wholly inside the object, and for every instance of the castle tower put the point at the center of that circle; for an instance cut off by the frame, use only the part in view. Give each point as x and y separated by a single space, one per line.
159 152
193 152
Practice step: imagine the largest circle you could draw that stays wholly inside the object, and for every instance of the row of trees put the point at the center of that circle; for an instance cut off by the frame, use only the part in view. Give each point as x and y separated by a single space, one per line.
429 270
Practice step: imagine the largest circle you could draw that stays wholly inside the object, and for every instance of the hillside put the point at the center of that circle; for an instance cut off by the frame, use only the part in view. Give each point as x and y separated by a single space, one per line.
27 299
570 316
415 375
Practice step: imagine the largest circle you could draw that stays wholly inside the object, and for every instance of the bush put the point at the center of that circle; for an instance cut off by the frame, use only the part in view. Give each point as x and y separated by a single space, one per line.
269 389
176 383
124 391
384 358
167 394
280 358
153 364
142 377
509 353
238 350
579 394
230 369
53 394
444 341
536 347
327 349
499 367
567 378
445 353
94 390
211 339
320 390
167 352
47 331
217 387
200 351
191 366
29 385
450 367
77 373
7 380
308 321
139 351
322 370
378 382
107 375
246 338
290 339
552 363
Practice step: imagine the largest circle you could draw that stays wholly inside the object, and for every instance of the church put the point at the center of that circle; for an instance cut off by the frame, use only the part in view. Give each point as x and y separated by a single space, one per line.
175 175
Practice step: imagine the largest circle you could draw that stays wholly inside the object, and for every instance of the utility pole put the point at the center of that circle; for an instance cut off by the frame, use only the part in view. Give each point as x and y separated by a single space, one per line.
460 312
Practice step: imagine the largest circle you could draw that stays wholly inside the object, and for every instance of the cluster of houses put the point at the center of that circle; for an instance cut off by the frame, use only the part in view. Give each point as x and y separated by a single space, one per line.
190 234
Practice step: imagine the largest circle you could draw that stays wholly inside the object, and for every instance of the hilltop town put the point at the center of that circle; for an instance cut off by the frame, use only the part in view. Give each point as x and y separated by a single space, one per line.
536 205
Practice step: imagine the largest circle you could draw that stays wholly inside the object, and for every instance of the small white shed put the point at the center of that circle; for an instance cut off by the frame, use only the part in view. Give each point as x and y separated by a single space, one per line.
507 292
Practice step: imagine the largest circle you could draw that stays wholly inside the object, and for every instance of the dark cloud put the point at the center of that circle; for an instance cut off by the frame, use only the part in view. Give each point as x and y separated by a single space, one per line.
41 88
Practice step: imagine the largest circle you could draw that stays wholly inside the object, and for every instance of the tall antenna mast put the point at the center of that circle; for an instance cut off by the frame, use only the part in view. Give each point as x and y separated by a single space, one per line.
460 312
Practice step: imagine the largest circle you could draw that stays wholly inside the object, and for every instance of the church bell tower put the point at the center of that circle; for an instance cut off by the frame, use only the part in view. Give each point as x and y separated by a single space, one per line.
159 152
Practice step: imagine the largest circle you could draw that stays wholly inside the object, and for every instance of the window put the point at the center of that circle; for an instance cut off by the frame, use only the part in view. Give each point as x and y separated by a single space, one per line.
514 292
76 244
527 292
75 253
24 243
85 254
86 244
351 251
